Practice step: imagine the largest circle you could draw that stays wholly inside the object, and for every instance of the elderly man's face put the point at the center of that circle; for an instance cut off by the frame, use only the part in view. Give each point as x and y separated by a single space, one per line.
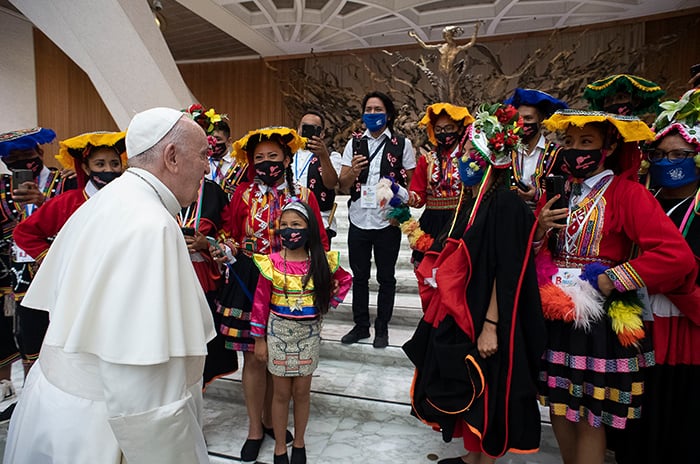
192 153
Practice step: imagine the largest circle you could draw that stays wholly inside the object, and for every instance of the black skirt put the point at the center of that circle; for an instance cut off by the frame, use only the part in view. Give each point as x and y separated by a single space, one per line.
235 303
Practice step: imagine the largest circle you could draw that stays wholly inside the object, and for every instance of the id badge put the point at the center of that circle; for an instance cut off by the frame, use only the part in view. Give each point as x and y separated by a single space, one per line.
20 256
368 196
567 277
8 305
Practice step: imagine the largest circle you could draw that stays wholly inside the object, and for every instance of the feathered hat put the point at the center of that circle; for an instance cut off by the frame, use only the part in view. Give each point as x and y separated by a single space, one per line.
74 151
544 102
24 139
243 148
459 114
644 91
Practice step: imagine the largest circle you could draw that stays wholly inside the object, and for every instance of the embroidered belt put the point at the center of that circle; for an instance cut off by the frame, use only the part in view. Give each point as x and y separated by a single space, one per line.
442 203
581 261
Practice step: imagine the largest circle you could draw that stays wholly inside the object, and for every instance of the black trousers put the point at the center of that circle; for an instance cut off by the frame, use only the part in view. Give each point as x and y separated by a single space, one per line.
385 243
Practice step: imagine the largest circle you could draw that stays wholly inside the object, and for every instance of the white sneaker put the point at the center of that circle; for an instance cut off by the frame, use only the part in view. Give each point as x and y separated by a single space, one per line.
7 390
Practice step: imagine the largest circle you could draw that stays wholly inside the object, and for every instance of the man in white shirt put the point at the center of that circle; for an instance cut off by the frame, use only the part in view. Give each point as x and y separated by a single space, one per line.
317 168
119 374
378 153
223 169
537 157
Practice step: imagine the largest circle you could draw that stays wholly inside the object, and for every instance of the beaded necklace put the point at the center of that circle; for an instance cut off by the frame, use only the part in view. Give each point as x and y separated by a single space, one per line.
299 301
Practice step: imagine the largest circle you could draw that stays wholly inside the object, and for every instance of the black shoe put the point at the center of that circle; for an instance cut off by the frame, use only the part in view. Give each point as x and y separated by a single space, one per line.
281 459
250 450
457 460
355 335
381 341
6 415
298 455
271 433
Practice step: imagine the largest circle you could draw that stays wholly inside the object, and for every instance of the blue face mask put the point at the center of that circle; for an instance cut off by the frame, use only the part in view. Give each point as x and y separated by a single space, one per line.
468 176
673 175
374 121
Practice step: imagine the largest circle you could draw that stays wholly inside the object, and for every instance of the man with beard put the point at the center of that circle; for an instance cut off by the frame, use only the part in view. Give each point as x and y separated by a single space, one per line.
536 158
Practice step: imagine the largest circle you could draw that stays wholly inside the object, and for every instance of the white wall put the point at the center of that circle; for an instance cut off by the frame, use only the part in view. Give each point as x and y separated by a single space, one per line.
17 81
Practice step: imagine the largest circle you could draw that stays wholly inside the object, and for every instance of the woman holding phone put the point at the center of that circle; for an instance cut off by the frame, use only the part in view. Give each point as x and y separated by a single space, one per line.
615 240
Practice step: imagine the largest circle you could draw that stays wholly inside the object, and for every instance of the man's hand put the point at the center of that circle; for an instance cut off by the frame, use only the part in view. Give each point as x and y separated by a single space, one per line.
28 193
316 145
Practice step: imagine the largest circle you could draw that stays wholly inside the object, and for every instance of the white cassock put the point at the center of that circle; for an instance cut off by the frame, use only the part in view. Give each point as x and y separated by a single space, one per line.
118 377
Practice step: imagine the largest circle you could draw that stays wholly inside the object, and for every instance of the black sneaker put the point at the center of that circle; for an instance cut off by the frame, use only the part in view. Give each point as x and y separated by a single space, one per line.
250 450
6 415
355 335
381 341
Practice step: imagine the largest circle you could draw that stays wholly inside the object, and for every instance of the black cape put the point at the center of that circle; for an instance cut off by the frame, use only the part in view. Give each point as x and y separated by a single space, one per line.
446 382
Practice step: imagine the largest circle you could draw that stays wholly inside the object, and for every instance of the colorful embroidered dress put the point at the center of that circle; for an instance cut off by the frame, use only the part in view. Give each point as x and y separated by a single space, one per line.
251 220
284 311
592 370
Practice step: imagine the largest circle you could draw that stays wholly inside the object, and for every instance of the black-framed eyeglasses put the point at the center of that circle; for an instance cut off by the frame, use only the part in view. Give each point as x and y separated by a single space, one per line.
445 129
673 156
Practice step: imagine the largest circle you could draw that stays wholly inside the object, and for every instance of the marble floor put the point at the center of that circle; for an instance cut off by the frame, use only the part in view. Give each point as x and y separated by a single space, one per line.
360 407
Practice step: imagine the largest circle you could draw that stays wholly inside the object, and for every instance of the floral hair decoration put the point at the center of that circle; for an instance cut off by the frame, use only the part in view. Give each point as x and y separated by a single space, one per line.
495 134
205 118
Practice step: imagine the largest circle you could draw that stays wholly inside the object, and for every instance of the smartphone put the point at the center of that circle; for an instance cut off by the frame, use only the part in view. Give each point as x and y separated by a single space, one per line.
694 70
309 130
20 176
187 231
360 147
212 242
554 185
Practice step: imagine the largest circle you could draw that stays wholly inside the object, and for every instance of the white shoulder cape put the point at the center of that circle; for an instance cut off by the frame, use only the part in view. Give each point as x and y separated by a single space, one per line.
118 282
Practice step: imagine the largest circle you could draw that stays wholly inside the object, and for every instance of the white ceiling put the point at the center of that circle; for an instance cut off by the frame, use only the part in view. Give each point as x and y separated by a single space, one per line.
288 27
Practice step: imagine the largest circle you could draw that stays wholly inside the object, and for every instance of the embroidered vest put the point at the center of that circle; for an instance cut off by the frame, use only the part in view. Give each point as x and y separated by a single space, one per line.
324 196
391 165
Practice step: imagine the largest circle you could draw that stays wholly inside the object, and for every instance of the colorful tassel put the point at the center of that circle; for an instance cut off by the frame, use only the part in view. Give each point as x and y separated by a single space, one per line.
625 311
556 304
588 303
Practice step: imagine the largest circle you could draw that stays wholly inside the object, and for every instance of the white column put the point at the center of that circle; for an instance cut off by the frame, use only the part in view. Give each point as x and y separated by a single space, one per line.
18 89
118 45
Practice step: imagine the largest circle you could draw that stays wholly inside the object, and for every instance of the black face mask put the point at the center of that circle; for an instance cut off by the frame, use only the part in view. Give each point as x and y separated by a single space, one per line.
293 238
580 163
35 164
100 179
619 108
219 150
447 139
530 129
269 171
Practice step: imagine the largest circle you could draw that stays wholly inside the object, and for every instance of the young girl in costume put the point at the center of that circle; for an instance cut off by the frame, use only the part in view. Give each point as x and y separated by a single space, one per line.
250 225
614 240
477 347
293 294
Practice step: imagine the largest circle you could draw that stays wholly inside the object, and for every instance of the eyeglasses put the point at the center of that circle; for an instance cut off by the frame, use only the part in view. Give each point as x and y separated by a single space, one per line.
445 129
673 156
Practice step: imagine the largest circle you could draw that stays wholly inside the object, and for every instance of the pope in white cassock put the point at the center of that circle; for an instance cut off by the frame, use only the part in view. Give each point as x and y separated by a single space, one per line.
118 377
